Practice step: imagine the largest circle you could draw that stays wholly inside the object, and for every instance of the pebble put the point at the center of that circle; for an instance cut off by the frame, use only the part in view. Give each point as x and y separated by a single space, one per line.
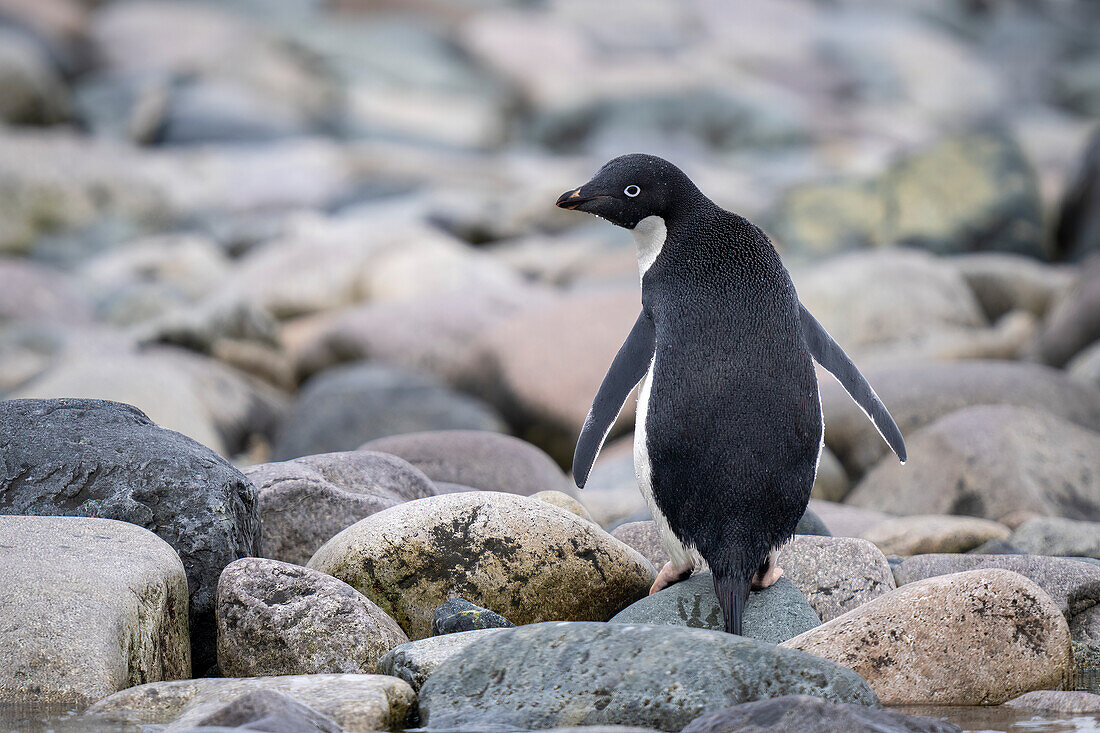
457 615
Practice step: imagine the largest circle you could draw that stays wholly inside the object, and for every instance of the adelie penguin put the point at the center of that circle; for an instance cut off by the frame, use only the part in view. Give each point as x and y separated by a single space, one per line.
729 428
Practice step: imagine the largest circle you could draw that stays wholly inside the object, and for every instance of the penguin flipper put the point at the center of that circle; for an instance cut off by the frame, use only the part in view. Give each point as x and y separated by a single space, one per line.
828 354
627 369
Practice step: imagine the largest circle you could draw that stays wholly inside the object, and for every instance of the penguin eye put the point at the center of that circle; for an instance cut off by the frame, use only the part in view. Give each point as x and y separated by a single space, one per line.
632 190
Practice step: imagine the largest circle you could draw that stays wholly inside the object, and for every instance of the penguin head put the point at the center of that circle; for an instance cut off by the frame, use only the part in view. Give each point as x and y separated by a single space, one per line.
630 188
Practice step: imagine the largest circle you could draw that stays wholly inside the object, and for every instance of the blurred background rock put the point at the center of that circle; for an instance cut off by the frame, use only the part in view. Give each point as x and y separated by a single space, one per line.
295 226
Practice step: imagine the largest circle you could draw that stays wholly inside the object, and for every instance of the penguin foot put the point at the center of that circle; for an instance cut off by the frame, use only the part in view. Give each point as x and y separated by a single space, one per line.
773 573
670 575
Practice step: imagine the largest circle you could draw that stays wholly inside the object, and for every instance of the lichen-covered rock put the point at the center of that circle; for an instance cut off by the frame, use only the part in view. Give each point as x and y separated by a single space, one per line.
520 557
353 701
275 618
926 533
104 459
415 661
567 674
975 638
772 614
90 607
836 574
798 713
306 501
457 615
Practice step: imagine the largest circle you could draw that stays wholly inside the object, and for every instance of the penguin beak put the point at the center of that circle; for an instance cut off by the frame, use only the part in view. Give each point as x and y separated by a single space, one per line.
576 198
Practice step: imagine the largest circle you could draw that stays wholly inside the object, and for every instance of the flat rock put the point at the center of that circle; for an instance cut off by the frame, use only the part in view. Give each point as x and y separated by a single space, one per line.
415 661
510 554
103 459
1057 701
483 460
569 674
361 702
922 534
773 614
1058 536
275 618
306 501
90 607
457 615
272 711
1073 322
836 574
343 407
975 638
983 460
919 393
797 713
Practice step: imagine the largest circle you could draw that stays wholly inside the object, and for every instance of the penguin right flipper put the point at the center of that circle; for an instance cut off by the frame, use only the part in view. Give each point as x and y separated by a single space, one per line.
627 369
828 354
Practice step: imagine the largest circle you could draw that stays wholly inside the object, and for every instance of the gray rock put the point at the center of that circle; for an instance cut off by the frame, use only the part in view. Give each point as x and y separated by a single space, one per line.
643 537
921 534
216 111
920 393
346 406
811 524
103 459
773 614
1073 322
996 547
271 711
415 661
1086 659
482 460
275 618
1085 625
90 606
1004 282
1056 701
307 501
982 461
844 520
836 574
1085 366
457 615
1057 536
31 92
798 713
831 482
566 674
612 495
1078 231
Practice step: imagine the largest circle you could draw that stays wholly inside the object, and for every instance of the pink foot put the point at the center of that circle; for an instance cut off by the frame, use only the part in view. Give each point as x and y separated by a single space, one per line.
670 574
773 574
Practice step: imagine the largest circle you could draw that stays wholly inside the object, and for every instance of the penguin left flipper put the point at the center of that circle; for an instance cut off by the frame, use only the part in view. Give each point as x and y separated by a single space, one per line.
627 369
828 354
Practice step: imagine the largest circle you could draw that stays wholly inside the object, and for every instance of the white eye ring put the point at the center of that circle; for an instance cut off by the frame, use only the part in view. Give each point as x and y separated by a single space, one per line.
632 190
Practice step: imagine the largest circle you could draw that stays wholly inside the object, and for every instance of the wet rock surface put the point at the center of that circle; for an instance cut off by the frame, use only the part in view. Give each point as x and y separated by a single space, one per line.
801 712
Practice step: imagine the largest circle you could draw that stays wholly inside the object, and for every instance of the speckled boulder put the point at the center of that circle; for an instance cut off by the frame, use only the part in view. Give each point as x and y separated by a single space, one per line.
307 501
520 557
275 618
836 574
974 638
921 534
643 537
566 674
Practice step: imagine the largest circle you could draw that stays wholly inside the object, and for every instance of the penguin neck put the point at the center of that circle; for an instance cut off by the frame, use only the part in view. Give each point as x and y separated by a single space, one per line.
649 234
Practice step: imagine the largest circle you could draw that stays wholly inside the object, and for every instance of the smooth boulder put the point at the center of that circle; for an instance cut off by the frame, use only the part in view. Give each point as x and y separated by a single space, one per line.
1058 536
926 533
275 618
520 557
1074 321
271 711
974 638
306 501
836 574
105 459
90 607
799 713
416 661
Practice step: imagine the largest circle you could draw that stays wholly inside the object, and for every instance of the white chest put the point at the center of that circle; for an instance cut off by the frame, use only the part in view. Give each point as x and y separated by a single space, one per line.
649 234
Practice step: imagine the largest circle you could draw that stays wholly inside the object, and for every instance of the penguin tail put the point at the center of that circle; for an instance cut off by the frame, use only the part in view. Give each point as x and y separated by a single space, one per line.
732 594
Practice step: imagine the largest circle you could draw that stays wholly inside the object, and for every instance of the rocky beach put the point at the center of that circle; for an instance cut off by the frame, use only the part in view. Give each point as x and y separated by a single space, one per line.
295 349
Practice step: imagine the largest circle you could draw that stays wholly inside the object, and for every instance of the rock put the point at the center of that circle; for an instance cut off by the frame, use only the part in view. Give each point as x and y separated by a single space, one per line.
996 547
811 524
275 618
1074 586
542 367
773 614
270 710
611 494
982 460
346 406
221 111
482 460
1057 536
1073 322
103 459
361 702
920 393
415 661
643 537
1085 626
36 293
942 634
306 501
90 607
31 92
796 713
1085 366
844 520
507 553
922 534
563 501
1004 282
1056 701
831 482
567 674
836 574
457 615
1086 657
1077 233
